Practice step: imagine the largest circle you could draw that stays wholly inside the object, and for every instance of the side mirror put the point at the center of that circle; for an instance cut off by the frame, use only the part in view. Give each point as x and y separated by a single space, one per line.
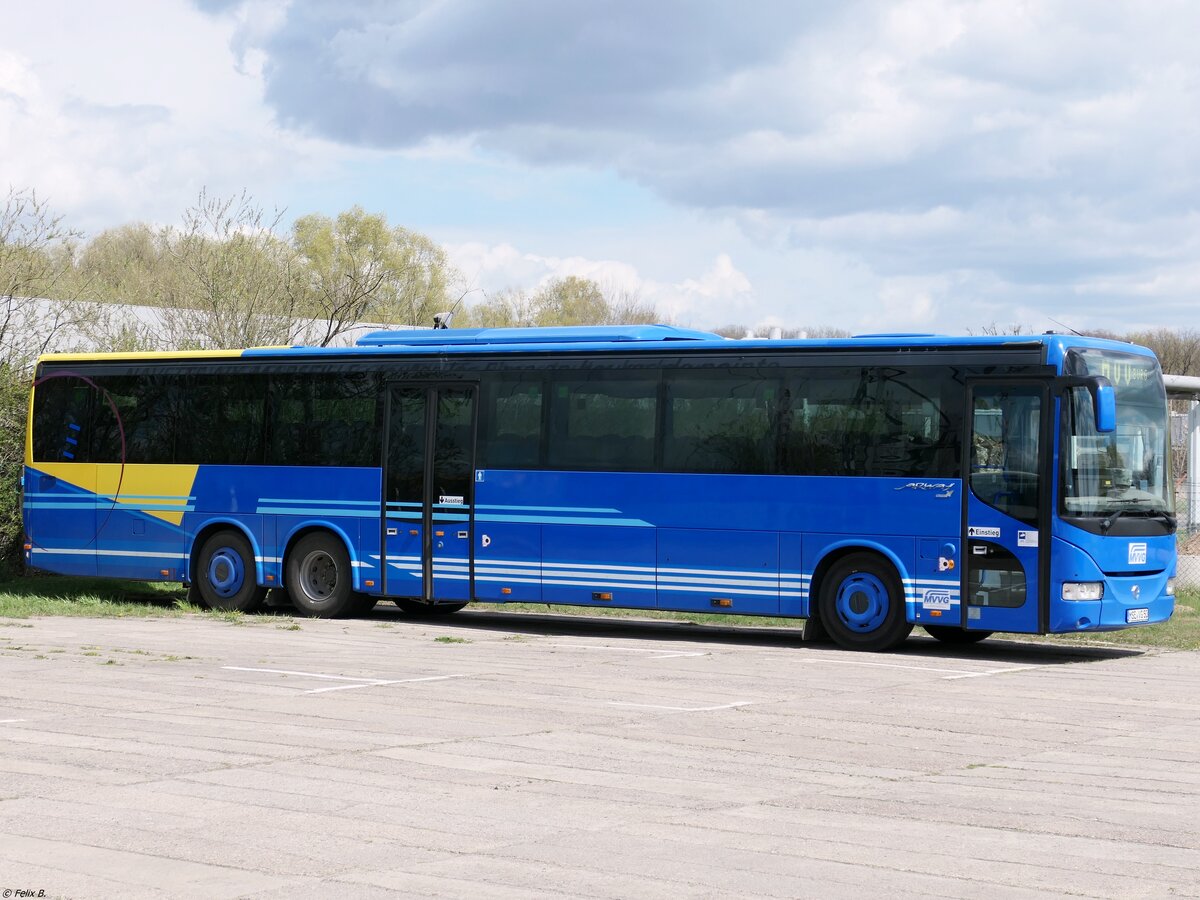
1104 399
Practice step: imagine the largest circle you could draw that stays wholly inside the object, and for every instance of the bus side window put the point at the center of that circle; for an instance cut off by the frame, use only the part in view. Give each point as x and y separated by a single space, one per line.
61 420
721 422
511 426
604 421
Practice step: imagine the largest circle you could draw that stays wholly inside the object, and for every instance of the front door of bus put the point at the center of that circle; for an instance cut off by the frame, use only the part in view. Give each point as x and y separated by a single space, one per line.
1006 506
429 465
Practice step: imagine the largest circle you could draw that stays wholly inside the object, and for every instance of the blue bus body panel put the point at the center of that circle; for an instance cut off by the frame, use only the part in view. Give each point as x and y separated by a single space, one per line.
1129 583
680 541
60 523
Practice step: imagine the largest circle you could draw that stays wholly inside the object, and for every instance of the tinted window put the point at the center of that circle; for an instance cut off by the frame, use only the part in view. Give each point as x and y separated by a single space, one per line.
879 421
221 419
60 420
323 420
721 422
603 420
512 424
135 419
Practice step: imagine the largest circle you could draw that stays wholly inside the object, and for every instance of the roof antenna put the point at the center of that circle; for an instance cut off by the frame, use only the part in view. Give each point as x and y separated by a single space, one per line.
442 320
1055 321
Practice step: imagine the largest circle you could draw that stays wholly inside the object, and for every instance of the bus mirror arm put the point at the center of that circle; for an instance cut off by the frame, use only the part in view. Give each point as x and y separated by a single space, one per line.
1104 398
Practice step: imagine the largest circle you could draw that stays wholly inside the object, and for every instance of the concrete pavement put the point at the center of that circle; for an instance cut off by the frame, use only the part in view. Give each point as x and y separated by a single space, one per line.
505 755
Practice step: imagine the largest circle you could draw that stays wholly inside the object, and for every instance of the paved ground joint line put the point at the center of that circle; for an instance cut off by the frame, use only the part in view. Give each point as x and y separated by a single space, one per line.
683 708
662 652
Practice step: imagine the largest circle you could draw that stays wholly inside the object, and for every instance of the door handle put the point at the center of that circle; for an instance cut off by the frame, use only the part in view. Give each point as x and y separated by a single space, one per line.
392 532
463 535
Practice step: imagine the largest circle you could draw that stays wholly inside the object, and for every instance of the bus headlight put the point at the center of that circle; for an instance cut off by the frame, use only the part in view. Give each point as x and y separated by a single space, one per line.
1083 590
1171 586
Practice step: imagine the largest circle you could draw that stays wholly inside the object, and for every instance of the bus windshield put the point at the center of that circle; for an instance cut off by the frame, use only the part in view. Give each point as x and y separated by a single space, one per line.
1126 472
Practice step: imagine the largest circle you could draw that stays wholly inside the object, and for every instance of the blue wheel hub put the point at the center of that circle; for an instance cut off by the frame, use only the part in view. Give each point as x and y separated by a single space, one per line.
226 572
862 602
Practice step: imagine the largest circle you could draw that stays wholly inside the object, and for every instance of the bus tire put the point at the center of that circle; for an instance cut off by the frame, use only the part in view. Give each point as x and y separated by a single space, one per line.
225 577
861 604
953 634
318 577
418 609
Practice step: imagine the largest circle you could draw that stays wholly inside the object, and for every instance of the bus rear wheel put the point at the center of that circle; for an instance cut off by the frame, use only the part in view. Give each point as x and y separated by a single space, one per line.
861 604
318 577
952 634
225 573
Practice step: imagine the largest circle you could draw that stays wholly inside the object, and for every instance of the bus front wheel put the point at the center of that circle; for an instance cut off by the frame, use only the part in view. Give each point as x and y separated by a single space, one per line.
861 604
318 577
225 577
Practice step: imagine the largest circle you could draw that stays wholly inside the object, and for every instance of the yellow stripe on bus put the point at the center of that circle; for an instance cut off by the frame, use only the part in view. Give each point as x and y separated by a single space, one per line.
144 488
147 355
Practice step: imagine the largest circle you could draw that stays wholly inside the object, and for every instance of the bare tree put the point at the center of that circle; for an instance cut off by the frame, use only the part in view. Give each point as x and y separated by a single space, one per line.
237 279
626 307
36 263
562 301
1177 349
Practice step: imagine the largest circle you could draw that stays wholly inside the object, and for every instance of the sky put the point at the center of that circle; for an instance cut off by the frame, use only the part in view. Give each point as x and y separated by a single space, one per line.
890 166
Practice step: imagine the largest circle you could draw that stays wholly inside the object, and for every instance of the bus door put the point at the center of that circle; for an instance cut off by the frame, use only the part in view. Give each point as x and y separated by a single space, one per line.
428 514
1007 506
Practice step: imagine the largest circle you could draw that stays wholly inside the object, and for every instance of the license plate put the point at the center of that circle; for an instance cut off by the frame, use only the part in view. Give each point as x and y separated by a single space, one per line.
1137 615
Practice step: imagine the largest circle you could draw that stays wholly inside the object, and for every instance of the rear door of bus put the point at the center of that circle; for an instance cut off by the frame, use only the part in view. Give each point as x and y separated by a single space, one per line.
429 485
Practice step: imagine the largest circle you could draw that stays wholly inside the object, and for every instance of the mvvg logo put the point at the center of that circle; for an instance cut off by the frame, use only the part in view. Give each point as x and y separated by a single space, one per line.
936 600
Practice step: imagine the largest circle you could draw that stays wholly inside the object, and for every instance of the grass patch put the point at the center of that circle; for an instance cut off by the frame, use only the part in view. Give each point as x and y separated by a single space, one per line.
447 639
1182 632
59 595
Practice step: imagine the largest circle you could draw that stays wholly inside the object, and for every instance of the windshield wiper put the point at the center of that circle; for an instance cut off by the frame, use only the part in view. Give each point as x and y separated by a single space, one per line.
1108 520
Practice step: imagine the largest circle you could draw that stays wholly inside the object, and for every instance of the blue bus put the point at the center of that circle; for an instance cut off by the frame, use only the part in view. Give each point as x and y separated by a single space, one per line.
967 485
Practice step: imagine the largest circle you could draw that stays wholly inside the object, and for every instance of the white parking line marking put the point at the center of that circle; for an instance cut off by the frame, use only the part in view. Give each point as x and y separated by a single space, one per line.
854 662
953 674
10 721
662 654
357 682
682 708
350 687
993 672
290 672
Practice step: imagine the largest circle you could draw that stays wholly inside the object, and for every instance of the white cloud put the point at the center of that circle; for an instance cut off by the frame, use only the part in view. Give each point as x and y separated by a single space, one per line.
135 112
707 300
